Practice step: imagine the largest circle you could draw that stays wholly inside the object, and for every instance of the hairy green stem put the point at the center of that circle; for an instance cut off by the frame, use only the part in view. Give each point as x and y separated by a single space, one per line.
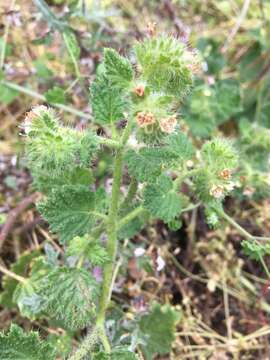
242 231
130 216
112 228
88 343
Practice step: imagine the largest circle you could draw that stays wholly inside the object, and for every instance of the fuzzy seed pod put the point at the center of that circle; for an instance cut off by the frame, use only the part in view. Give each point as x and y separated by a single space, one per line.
144 119
168 125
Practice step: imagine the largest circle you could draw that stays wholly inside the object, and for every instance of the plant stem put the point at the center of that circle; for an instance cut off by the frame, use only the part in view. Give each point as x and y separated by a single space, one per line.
225 216
242 231
5 37
42 98
112 231
130 216
12 275
264 266
88 343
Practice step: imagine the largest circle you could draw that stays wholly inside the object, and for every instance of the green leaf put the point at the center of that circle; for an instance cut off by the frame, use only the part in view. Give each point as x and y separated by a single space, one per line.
120 353
147 163
157 328
210 49
89 248
210 106
179 148
134 226
42 69
72 45
62 344
18 345
56 95
49 16
118 69
108 102
254 249
71 210
7 95
26 294
161 199
70 295
45 182
9 284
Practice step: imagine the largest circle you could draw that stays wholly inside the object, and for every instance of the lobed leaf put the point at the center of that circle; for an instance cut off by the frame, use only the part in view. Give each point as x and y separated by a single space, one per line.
108 102
70 295
71 210
117 68
161 199
146 164
18 345
157 328
89 248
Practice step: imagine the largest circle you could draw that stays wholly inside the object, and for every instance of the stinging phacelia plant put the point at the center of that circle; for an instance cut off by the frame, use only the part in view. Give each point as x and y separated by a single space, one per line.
138 105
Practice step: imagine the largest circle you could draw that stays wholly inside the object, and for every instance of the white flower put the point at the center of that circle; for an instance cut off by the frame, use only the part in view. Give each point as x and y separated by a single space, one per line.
139 252
160 263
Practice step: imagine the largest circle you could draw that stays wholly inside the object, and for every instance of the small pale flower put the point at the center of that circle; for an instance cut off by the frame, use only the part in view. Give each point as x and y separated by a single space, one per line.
190 164
160 263
216 191
36 111
249 191
225 174
139 90
145 118
139 252
168 124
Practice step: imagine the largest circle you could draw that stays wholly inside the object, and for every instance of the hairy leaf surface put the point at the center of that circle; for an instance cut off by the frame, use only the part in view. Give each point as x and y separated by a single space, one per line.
158 330
162 200
18 345
108 102
71 210
70 295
